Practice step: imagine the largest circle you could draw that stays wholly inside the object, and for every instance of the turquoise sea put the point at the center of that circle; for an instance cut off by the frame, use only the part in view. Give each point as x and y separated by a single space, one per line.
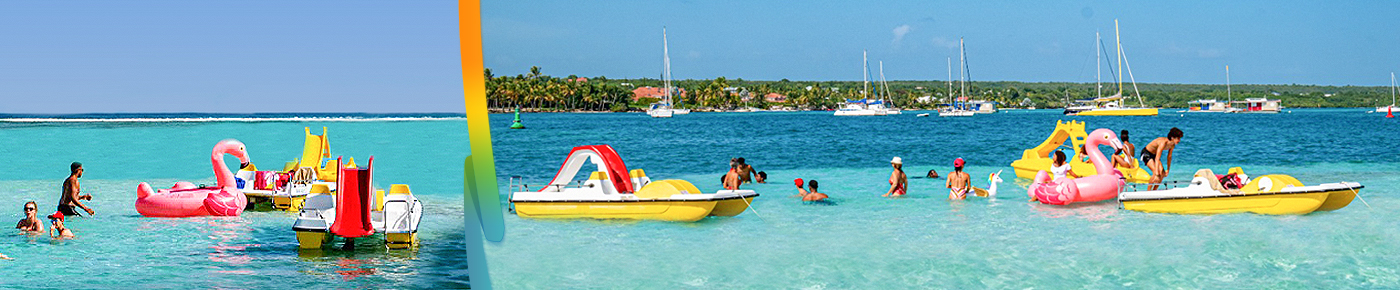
865 241
117 248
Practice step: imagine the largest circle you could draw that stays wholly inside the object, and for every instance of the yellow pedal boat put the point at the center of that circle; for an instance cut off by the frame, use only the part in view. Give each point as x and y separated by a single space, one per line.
613 192
1269 194
1037 159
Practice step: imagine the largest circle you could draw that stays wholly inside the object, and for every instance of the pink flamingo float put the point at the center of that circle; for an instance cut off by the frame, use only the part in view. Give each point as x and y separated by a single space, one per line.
1104 185
186 200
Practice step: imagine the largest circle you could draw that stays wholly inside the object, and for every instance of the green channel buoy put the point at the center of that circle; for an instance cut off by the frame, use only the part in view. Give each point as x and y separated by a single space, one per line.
516 124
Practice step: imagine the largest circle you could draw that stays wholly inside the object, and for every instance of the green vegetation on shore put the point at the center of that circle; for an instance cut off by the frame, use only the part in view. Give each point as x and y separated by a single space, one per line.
544 93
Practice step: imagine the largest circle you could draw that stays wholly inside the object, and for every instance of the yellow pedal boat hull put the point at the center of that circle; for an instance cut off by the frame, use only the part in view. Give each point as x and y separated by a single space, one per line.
680 211
1271 204
1120 112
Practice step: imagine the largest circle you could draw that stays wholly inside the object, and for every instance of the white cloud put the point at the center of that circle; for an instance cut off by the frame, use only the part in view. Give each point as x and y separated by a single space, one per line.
944 42
899 32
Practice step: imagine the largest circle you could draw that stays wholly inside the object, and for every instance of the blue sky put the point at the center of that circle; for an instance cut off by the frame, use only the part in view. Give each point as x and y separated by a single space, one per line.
230 56
403 56
1276 42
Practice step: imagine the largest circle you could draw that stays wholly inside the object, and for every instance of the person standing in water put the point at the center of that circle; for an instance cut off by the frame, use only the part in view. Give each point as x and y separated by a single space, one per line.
72 192
731 179
1158 163
812 194
959 183
746 172
30 224
899 183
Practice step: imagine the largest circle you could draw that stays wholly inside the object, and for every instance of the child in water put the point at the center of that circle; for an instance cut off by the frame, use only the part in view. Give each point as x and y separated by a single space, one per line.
59 231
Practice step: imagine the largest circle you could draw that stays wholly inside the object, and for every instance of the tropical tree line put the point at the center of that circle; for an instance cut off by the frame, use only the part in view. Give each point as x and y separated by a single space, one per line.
539 92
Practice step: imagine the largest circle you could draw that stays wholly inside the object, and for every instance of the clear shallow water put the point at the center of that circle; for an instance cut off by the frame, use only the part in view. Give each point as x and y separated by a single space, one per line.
865 241
256 250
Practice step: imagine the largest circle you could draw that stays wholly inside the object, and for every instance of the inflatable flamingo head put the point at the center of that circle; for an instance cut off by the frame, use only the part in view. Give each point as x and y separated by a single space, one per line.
1103 137
235 148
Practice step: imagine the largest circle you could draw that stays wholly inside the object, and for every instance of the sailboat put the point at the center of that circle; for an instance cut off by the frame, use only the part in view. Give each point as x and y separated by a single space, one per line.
1113 105
1391 109
879 105
862 107
665 108
1213 105
958 106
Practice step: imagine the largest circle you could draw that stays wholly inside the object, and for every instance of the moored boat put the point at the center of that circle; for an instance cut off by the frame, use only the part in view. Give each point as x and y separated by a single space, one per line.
614 192
1269 194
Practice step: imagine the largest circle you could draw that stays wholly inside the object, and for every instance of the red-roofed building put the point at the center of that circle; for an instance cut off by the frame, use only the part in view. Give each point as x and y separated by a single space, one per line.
775 98
655 92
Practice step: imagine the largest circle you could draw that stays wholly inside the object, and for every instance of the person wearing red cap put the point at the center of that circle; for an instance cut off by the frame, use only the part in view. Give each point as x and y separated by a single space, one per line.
59 231
959 183
800 192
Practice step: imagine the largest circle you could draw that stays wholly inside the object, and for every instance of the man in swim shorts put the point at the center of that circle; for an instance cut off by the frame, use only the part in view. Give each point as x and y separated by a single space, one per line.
959 182
1156 162
71 192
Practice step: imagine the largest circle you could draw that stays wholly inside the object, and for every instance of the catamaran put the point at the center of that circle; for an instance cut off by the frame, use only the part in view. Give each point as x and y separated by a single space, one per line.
1113 105
863 107
958 108
665 108
1391 108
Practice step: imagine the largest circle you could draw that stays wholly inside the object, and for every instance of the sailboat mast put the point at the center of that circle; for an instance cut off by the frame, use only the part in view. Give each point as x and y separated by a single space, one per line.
865 73
666 66
885 86
1098 66
1392 89
1118 40
950 78
1228 96
962 70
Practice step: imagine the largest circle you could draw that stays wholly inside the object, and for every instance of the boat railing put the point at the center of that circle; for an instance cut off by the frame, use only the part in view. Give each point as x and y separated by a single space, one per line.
1160 185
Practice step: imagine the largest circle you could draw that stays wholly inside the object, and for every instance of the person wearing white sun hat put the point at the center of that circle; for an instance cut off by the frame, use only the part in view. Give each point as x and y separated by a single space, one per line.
899 183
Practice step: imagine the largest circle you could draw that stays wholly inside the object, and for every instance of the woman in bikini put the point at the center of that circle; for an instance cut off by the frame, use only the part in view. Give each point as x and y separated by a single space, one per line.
899 183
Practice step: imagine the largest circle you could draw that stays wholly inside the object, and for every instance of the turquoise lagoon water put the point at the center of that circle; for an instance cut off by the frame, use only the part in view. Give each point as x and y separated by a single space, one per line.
119 248
865 241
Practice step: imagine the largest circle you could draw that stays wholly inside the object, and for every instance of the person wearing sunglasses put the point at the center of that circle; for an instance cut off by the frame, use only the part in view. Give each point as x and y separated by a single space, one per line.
30 224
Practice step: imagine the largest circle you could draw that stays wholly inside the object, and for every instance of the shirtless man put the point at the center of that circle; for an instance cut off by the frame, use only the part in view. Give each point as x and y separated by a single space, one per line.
30 224
745 171
731 179
1156 162
812 194
959 183
71 190
899 183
